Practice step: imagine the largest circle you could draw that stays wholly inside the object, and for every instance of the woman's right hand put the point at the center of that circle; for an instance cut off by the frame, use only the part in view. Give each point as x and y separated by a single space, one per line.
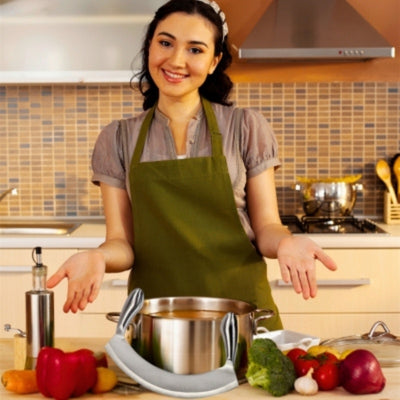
84 272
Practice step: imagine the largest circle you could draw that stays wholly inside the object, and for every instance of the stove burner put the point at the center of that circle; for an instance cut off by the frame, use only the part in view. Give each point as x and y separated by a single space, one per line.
335 225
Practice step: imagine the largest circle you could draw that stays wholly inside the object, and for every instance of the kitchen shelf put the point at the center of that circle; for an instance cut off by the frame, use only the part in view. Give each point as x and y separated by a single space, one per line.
49 77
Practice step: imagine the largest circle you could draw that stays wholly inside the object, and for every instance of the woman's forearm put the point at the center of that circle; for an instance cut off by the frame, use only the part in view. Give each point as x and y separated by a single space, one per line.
269 237
118 255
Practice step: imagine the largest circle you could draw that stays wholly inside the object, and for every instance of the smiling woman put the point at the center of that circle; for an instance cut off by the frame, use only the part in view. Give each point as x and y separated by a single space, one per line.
188 185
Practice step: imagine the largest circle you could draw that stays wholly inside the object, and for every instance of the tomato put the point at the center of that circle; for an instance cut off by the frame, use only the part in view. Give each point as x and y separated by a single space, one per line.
295 353
304 363
327 376
327 358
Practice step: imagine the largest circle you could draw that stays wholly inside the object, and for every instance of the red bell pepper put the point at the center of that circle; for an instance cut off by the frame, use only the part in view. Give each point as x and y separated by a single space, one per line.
62 375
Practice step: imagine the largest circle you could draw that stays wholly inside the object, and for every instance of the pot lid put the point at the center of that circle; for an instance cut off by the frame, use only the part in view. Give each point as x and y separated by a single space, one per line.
383 344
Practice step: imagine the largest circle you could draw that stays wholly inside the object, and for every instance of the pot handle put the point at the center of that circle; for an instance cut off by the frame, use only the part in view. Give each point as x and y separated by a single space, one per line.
264 314
358 187
113 316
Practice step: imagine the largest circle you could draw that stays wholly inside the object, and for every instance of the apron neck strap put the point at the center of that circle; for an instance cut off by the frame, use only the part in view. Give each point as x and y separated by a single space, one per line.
216 138
142 135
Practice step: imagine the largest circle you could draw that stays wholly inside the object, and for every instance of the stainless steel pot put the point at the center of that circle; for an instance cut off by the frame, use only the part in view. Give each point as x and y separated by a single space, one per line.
331 197
182 334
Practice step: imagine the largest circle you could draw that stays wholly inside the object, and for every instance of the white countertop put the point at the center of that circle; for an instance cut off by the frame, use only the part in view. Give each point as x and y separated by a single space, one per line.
361 240
91 233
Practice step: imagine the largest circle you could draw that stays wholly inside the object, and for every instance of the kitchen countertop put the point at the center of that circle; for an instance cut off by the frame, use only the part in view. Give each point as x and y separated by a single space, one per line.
244 391
91 233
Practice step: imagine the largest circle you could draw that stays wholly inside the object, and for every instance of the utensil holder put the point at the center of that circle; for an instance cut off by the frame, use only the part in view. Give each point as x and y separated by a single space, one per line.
391 212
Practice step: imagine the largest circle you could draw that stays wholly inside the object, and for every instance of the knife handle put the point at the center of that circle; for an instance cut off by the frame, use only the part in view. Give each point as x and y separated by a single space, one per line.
133 304
229 332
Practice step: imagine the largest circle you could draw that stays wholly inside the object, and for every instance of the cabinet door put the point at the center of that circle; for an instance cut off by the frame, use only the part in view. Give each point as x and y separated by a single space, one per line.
113 293
335 325
349 300
16 279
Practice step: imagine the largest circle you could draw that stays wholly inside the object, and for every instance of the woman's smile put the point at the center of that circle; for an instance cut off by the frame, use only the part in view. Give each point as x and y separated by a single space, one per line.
174 77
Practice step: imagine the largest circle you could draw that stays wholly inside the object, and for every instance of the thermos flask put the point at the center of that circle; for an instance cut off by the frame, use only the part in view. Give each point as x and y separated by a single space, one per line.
39 304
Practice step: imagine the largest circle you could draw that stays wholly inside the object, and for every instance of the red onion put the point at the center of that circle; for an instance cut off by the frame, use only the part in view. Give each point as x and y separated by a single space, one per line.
360 373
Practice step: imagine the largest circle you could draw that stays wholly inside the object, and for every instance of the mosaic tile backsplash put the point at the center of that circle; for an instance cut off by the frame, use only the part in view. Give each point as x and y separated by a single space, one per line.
329 129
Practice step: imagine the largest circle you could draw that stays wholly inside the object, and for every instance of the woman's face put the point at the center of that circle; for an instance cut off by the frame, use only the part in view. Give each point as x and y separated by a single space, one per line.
181 55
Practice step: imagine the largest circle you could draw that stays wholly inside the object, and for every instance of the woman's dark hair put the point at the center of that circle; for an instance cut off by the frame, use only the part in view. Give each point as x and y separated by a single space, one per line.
218 85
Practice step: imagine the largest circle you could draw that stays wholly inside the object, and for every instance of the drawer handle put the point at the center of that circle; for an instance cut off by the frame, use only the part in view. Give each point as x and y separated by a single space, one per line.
119 282
332 282
11 268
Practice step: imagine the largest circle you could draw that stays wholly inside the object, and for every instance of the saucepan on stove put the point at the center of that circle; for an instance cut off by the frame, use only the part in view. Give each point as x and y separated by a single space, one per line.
182 334
328 196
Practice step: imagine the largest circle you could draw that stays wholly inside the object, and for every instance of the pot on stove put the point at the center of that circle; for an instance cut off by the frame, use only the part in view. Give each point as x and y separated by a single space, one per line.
328 196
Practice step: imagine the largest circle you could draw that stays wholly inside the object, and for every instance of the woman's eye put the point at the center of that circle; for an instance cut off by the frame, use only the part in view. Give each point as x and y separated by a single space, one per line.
165 43
195 50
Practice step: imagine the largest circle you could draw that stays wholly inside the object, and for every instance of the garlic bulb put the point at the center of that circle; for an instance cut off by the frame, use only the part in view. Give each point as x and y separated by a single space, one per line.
306 385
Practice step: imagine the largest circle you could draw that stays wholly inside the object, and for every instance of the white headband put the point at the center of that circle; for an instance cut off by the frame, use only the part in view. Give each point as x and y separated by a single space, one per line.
221 14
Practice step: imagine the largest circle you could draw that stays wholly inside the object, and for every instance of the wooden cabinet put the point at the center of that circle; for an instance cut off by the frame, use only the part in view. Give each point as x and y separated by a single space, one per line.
363 290
16 279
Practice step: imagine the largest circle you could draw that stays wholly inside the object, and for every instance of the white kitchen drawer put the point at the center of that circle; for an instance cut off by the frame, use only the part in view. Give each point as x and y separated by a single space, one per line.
16 279
365 282
336 325
112 294
84 324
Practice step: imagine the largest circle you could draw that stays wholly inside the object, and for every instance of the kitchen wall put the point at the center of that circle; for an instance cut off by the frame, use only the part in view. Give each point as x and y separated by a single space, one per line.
323 128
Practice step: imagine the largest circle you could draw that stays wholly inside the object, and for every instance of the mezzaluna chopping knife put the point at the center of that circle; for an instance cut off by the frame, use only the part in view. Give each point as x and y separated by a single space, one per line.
165 382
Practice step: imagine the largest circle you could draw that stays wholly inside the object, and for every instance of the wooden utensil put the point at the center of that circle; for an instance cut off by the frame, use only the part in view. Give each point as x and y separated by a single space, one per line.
396 170
383 171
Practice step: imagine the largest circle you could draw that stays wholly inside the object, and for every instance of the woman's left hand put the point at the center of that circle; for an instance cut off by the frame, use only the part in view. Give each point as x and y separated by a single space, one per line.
296 256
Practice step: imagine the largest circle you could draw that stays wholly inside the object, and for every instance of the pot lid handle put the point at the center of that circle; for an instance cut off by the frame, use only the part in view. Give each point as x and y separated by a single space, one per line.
164 382
373 334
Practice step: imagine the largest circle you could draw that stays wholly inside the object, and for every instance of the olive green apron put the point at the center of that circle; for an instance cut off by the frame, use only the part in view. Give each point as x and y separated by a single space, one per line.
188 238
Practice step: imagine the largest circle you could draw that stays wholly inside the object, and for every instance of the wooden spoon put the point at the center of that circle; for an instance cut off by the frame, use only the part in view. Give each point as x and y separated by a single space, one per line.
396 170
383 171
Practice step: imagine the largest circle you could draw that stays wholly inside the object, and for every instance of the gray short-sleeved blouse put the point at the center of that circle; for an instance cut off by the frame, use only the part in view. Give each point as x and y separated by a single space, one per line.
249 145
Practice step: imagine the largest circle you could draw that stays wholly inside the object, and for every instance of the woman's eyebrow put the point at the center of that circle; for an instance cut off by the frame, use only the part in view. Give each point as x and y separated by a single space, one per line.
196 42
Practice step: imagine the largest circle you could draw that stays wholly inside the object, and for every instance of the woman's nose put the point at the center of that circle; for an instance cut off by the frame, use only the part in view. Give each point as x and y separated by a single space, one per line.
178 57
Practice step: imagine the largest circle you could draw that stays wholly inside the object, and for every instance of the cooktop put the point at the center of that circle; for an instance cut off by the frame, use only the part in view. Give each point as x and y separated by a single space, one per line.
335 225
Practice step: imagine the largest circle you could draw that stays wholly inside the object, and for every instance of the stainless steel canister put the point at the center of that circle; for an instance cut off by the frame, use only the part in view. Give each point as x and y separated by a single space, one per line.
39 306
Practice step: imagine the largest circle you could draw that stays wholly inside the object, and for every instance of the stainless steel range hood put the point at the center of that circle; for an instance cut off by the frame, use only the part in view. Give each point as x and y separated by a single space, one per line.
313 30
